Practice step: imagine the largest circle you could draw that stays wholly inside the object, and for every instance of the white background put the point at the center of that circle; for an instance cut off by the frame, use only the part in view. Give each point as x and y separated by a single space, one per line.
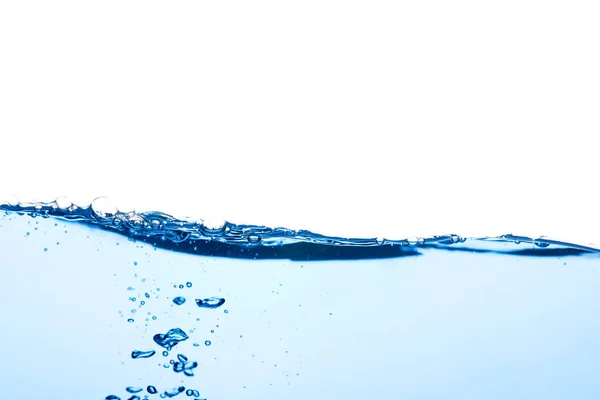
349 118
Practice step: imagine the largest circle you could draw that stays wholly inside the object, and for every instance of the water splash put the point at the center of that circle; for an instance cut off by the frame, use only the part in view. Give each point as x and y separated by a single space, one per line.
254 243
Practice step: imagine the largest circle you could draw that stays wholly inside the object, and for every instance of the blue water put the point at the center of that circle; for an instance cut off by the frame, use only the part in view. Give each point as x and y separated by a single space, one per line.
101 305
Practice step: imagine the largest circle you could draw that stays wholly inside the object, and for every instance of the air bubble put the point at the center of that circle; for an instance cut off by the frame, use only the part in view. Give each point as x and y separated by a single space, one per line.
63 203
179 300
380 240
180 286
213 302
102 208
130 320
207 343
415 241
142 354
189 284
254 239
151 389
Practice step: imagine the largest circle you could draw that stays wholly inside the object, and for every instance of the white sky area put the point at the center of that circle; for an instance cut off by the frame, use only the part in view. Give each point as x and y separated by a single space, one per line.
348 118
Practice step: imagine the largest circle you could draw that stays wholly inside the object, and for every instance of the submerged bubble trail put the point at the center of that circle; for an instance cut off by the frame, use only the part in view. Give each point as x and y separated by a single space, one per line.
213 302
142 354
171 338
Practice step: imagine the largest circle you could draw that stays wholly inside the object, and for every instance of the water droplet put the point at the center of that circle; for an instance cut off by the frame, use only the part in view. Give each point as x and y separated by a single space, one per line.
151 389
189 284
213 302
179 300
142 354
207 343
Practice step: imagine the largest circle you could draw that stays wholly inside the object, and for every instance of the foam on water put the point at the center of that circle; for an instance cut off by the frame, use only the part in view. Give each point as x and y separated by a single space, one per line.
287 314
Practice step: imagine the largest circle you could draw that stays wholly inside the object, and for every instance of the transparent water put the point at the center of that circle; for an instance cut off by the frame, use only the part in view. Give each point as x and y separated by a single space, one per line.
111 305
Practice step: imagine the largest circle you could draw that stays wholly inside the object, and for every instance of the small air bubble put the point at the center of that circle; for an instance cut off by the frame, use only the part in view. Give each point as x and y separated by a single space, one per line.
254 239
180 286
207 343
380 240
189 284
130 320
226 311
147 295
414 241
45 249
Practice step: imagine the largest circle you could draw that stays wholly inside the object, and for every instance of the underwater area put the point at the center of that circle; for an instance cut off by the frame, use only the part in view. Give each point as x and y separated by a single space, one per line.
112 305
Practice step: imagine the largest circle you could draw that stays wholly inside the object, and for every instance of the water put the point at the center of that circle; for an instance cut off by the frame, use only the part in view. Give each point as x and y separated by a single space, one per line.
94 309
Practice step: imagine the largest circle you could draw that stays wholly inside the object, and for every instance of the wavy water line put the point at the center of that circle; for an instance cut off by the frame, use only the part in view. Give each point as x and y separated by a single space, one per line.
261 242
